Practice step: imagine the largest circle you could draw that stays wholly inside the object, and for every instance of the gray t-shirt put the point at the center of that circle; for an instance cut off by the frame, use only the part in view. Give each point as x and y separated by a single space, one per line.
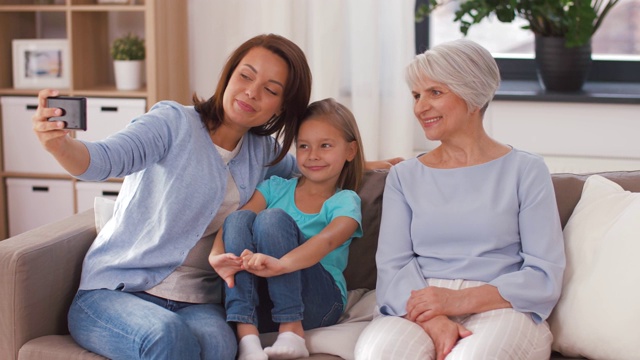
195 281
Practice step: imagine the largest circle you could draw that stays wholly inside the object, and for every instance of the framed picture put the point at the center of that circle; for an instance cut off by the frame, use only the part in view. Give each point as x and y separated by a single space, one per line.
41 63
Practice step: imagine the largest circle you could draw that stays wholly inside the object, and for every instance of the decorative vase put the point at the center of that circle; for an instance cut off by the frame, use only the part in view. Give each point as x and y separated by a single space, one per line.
560 68
128 74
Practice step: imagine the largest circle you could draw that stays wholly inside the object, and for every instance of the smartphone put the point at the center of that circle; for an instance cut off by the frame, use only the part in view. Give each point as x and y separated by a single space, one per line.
74 111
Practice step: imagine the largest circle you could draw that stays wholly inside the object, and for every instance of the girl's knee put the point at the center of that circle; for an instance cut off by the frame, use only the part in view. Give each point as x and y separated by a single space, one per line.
240 218
275 224
271 219
237 233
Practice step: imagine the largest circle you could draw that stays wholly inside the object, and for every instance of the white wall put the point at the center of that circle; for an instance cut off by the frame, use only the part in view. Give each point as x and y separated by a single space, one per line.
213 35
572 137
356 50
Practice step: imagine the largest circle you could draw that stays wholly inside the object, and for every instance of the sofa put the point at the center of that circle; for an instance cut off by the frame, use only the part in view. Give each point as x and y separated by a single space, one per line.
40 271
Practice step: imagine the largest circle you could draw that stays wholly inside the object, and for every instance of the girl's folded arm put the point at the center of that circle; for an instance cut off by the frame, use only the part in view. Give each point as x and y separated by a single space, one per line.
317 247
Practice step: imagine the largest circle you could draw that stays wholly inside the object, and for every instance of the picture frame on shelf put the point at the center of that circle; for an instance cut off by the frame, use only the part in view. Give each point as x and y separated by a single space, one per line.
41 63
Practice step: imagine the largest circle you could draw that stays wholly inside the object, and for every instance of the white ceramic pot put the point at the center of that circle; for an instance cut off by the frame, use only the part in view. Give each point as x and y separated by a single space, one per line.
129 74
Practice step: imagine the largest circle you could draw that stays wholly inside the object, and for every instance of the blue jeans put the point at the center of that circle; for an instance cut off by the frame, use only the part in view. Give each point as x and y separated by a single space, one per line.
121 325
310 295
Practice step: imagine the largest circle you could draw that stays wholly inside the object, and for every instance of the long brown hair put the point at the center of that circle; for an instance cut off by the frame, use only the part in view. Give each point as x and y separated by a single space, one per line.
297 91
340 117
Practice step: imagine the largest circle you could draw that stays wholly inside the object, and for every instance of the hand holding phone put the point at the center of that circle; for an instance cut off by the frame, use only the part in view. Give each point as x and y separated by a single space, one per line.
74 111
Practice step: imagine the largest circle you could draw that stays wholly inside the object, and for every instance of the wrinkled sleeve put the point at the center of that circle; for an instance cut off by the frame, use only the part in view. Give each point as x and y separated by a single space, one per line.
536 287
143 142
398 270
265 189
348 203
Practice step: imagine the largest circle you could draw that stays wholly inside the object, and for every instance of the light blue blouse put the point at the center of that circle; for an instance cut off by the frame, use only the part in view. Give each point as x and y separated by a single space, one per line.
496 222
175 183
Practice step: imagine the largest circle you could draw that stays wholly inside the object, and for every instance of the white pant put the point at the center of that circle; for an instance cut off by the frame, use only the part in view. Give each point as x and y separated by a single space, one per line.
497 334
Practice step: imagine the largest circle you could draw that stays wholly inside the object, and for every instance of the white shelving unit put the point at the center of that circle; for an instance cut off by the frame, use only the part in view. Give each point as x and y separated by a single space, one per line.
89 26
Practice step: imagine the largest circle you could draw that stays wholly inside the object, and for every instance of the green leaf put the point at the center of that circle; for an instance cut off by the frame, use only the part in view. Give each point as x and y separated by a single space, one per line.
128 47
576 20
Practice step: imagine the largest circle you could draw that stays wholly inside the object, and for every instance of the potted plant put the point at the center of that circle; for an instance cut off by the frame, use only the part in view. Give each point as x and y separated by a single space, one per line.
562 28
128 54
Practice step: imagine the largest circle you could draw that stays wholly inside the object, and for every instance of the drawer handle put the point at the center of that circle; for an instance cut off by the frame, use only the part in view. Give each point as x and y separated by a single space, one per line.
110 193
40 188
109 108
32 107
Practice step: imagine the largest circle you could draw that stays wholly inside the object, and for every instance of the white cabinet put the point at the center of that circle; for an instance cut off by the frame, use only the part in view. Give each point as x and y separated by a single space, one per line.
21 148
106 116
36 188
86 192
35 202
89 26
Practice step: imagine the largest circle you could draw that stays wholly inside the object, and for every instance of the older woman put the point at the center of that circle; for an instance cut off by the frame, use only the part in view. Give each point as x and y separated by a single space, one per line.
470 255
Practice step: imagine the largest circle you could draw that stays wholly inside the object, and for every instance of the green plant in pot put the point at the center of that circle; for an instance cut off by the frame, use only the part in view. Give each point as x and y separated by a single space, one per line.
562 28
128 54
128 47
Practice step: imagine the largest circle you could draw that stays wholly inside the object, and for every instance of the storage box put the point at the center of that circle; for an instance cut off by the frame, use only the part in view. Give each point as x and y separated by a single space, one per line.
106 116
22 150
87 191
35 202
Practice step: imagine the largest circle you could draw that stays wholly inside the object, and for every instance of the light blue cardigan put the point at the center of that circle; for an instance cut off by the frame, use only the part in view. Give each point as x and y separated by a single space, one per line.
174 185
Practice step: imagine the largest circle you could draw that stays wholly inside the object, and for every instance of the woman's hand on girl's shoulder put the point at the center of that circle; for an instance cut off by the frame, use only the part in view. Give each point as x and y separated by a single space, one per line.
383 164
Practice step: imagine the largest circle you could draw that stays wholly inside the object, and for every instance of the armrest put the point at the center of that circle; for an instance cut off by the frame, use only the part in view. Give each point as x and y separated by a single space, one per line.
39 275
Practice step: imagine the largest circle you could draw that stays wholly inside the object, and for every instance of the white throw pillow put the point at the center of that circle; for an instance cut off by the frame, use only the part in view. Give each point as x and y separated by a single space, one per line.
103 211
599 311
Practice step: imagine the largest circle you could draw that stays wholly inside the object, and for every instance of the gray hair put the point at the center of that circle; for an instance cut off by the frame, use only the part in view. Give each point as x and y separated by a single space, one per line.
467 68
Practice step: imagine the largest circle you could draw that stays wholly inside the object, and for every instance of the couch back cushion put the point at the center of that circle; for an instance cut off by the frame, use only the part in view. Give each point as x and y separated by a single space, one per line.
568 188
361 269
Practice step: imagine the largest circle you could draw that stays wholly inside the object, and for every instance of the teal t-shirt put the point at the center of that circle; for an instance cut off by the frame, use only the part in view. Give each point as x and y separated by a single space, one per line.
280 193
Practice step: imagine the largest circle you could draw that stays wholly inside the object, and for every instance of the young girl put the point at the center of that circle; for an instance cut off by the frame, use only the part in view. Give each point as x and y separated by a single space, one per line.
296 234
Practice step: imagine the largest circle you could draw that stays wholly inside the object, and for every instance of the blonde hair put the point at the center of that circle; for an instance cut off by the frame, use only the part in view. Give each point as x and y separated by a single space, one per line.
467 68
340 117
